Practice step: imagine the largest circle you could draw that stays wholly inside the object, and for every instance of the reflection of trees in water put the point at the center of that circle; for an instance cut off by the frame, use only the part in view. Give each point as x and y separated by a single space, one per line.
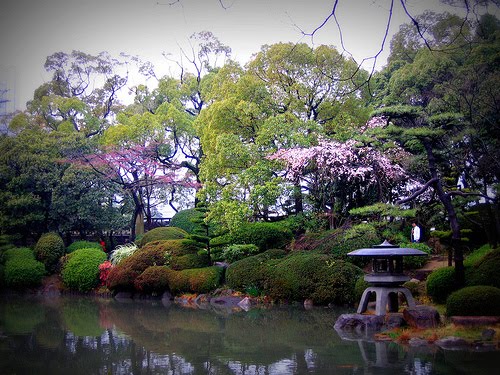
148 338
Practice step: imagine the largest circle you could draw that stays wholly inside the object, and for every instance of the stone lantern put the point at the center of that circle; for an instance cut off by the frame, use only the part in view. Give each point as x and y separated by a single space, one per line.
386 278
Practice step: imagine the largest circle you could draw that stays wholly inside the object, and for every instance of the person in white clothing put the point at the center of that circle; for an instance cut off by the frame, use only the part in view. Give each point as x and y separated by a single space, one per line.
415 233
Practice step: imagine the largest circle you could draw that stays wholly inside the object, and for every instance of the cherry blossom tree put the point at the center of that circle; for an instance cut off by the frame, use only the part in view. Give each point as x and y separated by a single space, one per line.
337 176
140 176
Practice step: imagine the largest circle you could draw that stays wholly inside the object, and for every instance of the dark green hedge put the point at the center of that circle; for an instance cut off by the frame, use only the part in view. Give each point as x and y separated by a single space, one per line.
477 300
252 271
48 249
162 233
23 272
197 280
320 277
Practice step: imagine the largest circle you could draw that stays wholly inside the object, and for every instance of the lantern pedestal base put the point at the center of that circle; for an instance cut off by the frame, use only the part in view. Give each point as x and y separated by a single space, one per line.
386 299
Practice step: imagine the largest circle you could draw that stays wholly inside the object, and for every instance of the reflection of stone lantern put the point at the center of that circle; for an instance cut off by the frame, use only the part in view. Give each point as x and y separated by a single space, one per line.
386 278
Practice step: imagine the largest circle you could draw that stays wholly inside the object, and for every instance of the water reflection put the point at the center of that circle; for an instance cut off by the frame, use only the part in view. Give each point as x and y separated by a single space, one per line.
104 336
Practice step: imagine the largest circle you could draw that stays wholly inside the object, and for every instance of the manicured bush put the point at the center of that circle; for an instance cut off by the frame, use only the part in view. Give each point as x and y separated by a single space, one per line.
81 271
82 244
162 233
320 277
472 258
414 262
485 271
236 252
477 300
23 272
262 234
154 280
48 249
18 252
197 280
252 271
441 283
187 261
121 277
187 220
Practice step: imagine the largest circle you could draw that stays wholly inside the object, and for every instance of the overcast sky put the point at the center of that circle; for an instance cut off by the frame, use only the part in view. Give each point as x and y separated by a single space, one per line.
31 30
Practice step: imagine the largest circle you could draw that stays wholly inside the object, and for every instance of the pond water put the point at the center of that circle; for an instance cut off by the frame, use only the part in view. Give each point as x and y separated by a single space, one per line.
75 335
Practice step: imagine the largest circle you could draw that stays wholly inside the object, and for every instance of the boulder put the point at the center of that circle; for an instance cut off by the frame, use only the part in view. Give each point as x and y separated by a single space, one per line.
422 317
359 324
452 343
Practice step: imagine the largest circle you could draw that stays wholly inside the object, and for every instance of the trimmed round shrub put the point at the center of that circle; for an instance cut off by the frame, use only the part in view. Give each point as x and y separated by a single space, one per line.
82 244
187 220
306 275
197 280
18 252
48 250
162 233
485 271
81 271
23 272
414 262
187 261
154 280
252 271
262 234
441 283
479 300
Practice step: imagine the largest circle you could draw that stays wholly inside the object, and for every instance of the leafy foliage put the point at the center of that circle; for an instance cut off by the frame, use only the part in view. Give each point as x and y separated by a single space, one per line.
485 271
154 280
82 244
23 272
441 283
236 252
186 220
48 249
414 262
262 234
198 280
163 233
81 271
319 277
474 301
252 271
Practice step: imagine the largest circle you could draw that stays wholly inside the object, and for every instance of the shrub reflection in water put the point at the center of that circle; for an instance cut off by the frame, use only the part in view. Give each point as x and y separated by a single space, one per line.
103 336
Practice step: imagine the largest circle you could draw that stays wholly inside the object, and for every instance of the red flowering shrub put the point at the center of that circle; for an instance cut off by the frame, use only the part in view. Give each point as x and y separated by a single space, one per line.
104 269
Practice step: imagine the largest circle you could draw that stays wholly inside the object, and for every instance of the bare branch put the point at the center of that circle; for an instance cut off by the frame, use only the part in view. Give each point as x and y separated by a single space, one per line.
418 192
